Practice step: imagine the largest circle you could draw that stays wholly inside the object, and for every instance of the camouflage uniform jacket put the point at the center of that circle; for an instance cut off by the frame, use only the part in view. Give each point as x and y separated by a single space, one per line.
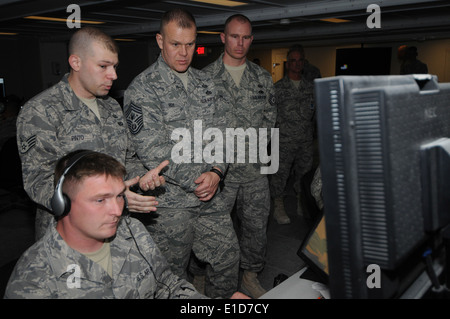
51 269
251 105
56 122
156 105
296 110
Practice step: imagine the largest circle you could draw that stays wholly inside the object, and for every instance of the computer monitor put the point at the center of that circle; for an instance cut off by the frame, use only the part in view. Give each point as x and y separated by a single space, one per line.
384 157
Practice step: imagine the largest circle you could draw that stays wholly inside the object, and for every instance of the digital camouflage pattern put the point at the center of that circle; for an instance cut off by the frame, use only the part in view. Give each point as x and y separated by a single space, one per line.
156 105
252 210
316 245
56 122
51 269
295 120
251 105
316 188
209 235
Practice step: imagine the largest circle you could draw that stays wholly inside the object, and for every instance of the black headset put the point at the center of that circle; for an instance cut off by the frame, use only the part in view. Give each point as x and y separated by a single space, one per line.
60 202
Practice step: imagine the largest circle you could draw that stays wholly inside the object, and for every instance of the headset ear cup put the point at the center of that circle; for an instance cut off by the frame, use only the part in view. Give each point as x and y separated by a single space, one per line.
66 205
60 202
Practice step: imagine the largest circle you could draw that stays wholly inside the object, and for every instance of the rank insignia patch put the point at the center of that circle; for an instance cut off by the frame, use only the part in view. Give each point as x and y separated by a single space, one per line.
134 119
27 144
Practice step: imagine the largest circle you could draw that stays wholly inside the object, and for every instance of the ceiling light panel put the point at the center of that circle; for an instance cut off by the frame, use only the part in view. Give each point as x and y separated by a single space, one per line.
225 3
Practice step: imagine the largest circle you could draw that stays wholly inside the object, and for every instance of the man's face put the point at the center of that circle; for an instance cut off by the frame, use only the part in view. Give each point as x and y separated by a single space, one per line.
237 39
177 46
295 63
97 203
97 71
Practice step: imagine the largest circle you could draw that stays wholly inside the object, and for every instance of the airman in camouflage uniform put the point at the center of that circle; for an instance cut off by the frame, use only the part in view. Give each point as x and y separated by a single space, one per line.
251 105
47 270
56 122
157 104
295 120
93 252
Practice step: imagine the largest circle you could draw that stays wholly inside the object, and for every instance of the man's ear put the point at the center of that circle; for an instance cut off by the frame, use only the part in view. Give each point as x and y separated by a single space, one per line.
222 37
75 62
159 40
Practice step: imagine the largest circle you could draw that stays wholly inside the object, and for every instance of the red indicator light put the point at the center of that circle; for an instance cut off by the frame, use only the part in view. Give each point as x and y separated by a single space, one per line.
201 50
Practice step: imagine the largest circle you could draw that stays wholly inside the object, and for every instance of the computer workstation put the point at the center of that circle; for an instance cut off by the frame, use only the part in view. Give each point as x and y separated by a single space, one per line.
384 145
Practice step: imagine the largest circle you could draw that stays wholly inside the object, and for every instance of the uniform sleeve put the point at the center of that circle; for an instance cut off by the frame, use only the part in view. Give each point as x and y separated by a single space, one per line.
169 285
134 165
29 279
21 287
220 122
222 106
174 287
270 111
288 110
36 138
307 103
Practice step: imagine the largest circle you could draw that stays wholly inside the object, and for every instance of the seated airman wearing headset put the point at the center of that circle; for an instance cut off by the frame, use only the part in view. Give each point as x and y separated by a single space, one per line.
95 250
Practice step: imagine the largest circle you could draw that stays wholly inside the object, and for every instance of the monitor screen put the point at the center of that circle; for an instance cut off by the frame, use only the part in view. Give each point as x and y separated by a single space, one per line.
363 61
380 172
313 251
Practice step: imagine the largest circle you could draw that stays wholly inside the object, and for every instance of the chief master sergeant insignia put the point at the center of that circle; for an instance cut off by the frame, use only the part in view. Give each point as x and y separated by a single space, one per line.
134 118
27 144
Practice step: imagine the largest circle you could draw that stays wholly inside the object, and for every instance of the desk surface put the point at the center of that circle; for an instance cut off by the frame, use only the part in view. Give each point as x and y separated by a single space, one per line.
298 288
293 288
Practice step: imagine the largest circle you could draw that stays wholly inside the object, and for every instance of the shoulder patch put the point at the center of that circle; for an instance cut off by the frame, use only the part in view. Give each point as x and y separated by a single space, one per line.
27 144
134 118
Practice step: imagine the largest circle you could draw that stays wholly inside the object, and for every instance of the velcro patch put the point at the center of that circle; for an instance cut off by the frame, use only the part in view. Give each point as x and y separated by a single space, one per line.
27 144
134 118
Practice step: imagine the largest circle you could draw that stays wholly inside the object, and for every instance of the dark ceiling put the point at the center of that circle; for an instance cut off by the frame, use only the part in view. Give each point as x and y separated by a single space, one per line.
274 22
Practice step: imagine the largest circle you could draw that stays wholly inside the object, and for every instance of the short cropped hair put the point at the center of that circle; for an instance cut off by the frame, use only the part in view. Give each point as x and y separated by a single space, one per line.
92 164
82 39
296 48
411 52
183 18
239 17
